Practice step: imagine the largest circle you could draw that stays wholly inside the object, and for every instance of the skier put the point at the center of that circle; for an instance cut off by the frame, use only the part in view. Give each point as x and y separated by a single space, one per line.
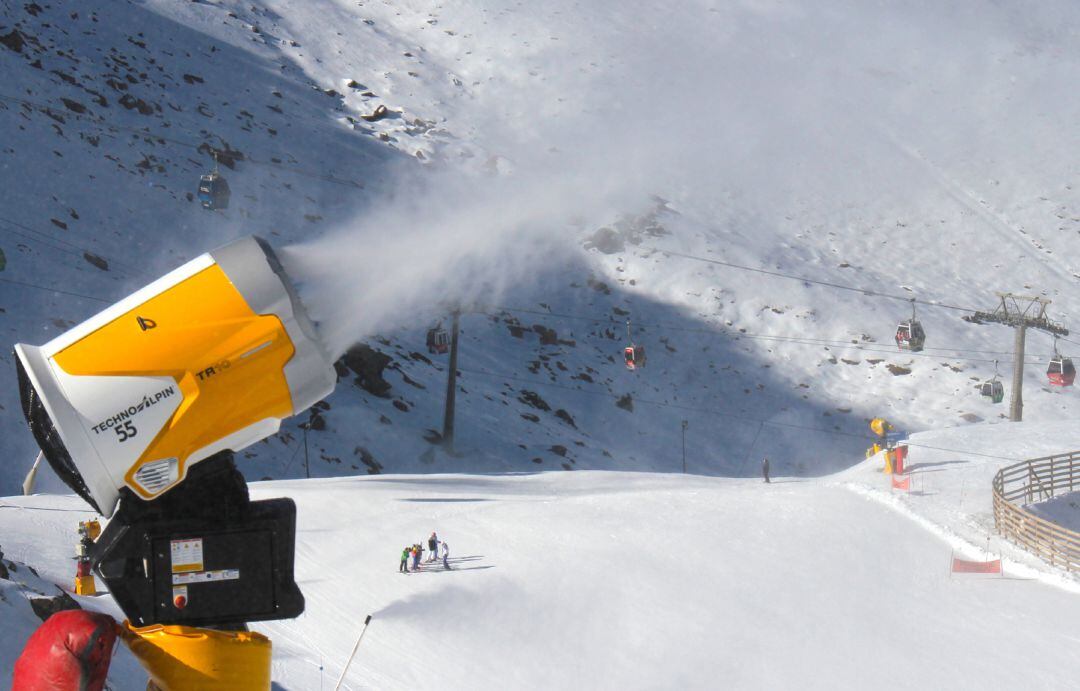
404 567
433 547
416 557
445 556
765 468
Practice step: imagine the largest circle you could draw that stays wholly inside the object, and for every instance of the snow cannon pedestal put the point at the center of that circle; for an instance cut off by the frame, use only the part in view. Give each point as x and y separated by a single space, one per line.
84 580
178 658
84 577
890 457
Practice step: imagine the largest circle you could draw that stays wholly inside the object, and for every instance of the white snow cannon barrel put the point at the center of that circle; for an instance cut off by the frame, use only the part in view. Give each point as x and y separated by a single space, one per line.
210 357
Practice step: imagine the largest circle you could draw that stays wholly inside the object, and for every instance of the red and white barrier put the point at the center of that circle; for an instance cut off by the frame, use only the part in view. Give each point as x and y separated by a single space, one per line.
967 566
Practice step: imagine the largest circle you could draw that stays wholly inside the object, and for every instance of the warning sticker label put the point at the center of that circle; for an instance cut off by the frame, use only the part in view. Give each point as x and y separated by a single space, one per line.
187 555
206 576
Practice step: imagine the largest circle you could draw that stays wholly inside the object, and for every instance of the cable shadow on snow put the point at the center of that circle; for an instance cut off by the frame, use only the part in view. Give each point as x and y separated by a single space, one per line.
456 564
447 500
916 468
439 569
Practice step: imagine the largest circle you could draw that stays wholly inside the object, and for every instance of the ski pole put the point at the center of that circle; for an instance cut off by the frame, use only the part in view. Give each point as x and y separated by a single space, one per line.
353 653
28 483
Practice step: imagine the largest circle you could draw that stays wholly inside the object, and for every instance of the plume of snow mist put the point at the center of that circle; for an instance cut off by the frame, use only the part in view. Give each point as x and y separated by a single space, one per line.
751 109
451 240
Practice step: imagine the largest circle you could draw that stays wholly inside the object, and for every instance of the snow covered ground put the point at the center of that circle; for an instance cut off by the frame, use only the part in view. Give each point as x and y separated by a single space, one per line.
918 151
645 580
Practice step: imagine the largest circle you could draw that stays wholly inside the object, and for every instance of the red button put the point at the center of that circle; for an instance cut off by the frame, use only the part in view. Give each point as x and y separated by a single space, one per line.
180 602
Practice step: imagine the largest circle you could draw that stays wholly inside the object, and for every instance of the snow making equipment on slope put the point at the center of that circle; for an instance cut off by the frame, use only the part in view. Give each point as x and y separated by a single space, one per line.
139 408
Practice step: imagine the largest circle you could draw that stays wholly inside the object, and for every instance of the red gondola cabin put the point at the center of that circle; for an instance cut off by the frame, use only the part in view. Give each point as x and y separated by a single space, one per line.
634 355
1061 371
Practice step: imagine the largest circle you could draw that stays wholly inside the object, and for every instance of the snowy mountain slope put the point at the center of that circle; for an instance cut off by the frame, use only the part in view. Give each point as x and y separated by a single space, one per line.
919 151
911 152
643 580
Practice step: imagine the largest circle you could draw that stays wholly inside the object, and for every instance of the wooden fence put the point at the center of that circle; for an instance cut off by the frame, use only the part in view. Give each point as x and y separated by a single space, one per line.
1030 482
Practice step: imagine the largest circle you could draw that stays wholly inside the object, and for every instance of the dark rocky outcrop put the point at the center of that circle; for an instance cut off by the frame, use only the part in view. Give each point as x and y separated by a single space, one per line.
368 365
45 607
132 103
13 41
96 261
532 398
373 466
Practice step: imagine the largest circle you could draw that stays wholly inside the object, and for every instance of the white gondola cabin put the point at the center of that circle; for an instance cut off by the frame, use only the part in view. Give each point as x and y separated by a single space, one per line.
910 335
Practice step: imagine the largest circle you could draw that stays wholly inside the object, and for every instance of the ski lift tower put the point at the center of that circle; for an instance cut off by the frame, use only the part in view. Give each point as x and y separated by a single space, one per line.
1022 313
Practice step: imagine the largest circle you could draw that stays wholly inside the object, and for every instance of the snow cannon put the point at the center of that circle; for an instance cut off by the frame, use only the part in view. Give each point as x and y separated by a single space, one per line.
208 358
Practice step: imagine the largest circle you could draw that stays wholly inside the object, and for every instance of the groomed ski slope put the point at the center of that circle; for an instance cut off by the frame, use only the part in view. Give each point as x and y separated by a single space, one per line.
611 580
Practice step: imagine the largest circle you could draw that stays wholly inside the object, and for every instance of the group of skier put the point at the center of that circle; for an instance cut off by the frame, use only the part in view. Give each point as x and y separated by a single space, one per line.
416 551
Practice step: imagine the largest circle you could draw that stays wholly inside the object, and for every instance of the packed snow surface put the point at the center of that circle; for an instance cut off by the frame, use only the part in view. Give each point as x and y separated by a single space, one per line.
642 580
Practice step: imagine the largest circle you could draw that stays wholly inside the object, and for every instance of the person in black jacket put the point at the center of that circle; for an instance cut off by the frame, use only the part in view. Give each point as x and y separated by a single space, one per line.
765 468
433 546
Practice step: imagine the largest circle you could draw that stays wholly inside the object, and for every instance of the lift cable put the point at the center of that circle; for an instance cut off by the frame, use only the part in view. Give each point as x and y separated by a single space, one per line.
828 284
720 413
780 338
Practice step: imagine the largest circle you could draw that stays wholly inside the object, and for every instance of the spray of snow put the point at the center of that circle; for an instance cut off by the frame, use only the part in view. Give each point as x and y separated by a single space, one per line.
447 241
560 158
731 113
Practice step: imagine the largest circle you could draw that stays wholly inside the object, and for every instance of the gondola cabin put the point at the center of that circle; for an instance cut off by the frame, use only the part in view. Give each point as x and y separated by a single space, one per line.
1061 371
993 390
213 191
634 355
910 335
438 341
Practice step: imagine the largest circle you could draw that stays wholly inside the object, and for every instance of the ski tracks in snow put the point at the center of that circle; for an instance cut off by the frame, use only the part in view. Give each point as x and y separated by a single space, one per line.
981 209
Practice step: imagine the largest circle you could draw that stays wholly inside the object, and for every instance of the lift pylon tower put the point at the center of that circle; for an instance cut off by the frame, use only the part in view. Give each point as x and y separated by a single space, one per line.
1022 312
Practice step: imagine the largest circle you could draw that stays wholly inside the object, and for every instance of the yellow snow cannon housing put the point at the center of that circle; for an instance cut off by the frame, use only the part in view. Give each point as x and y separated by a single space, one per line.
210 357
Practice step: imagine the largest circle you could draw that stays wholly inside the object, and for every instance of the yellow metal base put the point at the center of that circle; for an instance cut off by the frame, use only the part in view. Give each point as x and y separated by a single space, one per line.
183 657
84 585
